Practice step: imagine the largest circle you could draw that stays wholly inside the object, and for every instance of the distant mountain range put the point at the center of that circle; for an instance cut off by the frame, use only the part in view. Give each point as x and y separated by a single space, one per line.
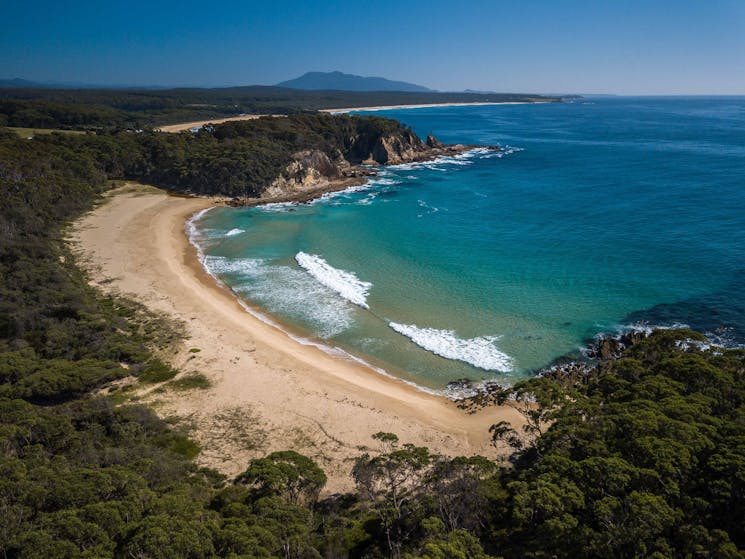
19 83
349 82
310 81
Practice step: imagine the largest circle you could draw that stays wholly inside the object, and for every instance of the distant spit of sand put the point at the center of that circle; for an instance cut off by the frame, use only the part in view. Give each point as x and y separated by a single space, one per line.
199 123
427 105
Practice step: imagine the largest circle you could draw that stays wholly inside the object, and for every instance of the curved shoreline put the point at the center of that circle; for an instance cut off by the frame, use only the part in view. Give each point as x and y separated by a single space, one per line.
293 333
297 395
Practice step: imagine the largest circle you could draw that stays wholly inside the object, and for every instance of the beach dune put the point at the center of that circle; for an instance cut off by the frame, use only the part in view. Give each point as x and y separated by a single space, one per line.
268 392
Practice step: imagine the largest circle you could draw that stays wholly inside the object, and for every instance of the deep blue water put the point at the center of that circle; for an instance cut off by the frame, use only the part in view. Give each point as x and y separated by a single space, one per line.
607 211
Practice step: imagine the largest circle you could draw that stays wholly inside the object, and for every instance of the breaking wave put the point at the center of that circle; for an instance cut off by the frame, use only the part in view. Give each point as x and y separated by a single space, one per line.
346 284
479 352
285 290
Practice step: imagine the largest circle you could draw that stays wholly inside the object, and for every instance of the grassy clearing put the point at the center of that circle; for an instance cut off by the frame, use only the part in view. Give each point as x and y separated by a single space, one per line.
241 427
31 132
132 187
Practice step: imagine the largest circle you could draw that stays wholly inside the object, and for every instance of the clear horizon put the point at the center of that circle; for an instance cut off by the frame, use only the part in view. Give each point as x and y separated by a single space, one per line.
570 46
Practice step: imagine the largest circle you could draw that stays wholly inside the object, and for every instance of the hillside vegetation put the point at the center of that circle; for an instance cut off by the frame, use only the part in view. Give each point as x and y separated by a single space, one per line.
96 109
645 459
236 159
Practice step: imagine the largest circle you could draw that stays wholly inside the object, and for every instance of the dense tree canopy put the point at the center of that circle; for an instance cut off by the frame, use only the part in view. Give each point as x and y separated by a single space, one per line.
233 159
646 458
95 109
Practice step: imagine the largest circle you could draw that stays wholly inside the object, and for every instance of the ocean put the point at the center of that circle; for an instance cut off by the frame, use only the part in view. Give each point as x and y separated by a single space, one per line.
599 214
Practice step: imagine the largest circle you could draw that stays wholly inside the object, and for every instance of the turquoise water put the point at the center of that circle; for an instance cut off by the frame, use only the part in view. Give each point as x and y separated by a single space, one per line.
604 212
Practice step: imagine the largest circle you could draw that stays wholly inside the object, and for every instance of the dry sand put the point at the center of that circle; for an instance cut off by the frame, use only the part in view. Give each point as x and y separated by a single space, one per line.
268 392
428 105
199 123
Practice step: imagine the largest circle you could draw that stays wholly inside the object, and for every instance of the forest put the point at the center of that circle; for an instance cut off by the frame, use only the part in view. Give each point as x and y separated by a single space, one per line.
96 109
643 458
235 159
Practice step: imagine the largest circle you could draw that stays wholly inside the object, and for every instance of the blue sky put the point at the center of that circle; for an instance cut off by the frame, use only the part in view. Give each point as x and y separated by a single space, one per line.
600 46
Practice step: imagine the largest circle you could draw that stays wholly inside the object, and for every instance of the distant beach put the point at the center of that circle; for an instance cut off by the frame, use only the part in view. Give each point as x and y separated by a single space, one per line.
184 126
428 105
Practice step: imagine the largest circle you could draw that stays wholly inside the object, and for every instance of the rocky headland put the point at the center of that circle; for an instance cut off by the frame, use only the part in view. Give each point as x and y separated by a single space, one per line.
314 172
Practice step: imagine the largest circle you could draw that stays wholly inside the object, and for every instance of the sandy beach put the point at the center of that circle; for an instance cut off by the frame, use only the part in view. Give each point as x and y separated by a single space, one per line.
267 391
199 123
427 105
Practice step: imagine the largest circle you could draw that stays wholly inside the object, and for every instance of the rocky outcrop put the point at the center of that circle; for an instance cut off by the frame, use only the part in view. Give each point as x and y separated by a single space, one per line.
308 170
571 374
370 142
433 142
314 169
397 148
601 352
393 149
612 347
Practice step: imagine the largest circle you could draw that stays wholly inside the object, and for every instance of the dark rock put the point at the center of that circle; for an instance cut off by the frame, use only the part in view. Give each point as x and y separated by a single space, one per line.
434 142
460 384
607 347
572 374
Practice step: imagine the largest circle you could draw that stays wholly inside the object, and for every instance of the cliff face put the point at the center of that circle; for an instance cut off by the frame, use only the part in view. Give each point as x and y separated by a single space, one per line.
313 169
308 170
296 156
384 148
394 149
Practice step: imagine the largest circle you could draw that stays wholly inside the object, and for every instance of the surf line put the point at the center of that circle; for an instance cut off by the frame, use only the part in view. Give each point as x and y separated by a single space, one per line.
480 352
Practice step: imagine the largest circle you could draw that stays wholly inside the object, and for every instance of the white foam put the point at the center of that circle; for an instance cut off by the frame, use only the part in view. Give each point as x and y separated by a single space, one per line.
430 209
330 196
285 291
194 235
383 182
346 284
234 232
644 327
404 166
277 207
715 339
267 292
463 158
479 352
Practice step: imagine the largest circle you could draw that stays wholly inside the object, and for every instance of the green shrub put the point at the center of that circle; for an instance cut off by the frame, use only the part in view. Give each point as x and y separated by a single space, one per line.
191 381
157 371
180 444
